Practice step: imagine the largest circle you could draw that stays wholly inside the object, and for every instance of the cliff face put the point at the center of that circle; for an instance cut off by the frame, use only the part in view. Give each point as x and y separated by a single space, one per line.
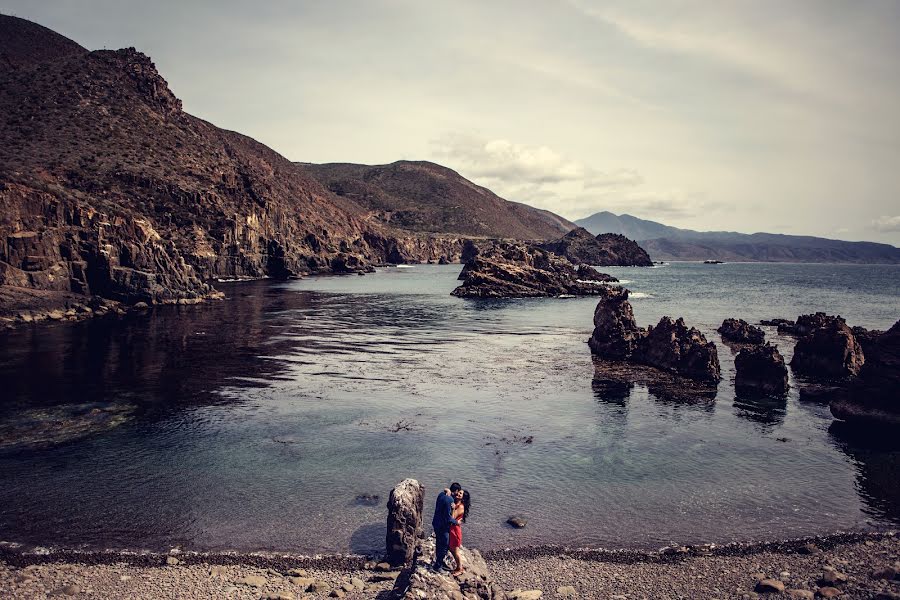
425 197
107 187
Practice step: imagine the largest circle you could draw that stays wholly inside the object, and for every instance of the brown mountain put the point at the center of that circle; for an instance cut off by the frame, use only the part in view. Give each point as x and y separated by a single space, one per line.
425 197
604 250
108 188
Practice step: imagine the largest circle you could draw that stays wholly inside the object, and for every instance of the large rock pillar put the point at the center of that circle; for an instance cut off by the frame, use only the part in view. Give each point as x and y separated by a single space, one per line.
404 521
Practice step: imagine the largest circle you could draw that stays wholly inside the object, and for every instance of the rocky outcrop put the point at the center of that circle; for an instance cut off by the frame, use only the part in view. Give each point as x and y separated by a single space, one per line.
872 398
419 582
827 348
760 370
741 332
404 521
509 270
604 250
867 338
670 346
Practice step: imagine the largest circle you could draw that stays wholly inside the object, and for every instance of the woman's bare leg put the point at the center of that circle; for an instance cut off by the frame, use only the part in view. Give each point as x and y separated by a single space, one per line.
458 559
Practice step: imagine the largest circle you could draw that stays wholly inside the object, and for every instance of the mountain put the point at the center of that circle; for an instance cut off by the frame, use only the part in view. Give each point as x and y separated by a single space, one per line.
671 243
604 250
426 197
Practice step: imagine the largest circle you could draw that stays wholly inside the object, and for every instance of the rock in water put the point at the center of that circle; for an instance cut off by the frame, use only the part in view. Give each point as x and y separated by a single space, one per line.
675 347
507 270
616 334
604 250
671 345
419 582
761 370
828 351
740 331
404 521
873 398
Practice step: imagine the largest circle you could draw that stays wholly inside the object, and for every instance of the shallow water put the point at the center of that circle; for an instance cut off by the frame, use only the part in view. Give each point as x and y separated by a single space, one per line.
255 422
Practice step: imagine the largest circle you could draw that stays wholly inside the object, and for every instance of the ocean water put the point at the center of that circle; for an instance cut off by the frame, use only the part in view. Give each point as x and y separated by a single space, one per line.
255 423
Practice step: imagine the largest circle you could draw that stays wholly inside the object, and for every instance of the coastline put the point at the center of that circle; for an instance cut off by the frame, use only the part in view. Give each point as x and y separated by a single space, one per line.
707 571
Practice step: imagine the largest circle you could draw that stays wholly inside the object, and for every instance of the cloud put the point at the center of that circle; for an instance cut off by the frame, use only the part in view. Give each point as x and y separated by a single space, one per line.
887 224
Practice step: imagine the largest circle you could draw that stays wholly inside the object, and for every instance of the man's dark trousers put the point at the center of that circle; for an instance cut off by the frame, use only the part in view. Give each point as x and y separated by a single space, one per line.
442 540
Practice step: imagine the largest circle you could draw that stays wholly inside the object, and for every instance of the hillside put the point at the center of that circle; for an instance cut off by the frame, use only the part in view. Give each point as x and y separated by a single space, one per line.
107 187
426 197
663 242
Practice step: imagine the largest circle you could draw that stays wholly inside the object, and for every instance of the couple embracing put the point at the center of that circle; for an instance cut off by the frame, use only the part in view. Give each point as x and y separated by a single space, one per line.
450 512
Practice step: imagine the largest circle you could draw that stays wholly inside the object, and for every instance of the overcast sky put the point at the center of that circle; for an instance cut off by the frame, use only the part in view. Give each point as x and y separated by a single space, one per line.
747 116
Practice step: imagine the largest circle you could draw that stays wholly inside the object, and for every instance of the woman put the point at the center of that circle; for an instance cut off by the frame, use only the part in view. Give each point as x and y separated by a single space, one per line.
460 513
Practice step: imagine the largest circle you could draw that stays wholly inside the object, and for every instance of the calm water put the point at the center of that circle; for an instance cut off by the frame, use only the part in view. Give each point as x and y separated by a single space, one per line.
255 422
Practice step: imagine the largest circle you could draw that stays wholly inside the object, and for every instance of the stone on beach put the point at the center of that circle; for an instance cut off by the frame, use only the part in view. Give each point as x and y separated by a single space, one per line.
769 586
404 521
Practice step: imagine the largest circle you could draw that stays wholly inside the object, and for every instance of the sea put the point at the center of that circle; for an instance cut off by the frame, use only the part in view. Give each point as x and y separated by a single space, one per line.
280 418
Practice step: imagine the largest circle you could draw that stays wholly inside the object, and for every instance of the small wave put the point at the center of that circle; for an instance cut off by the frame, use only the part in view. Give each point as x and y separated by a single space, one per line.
640 295
405 266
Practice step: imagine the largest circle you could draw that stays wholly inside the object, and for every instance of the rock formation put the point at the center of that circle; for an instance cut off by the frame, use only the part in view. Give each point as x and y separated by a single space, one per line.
867 338
404 521
604 250
741 332
670 346
509 270
760 369
827 348
873 398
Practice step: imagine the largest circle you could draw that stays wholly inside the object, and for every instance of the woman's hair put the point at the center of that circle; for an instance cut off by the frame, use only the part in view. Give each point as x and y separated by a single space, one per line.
466 502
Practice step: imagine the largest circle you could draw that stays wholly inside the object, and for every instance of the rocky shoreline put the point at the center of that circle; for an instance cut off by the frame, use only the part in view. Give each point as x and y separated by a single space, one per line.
703 571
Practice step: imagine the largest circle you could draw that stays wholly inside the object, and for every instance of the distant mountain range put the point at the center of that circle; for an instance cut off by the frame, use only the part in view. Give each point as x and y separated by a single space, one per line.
664 242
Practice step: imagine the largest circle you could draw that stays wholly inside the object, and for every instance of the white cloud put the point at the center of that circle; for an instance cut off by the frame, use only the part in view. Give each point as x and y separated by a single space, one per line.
887 224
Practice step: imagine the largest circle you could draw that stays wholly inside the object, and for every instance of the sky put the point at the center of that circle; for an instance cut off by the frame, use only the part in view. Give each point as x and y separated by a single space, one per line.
742 115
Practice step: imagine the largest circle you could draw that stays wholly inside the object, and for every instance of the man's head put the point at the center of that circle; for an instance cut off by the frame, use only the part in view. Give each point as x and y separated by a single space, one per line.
454 487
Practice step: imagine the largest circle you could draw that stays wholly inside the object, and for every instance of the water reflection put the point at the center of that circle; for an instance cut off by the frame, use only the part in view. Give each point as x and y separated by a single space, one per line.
877 458
767 411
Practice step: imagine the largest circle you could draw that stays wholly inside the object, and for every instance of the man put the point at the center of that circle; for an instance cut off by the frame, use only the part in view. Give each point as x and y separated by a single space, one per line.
443 519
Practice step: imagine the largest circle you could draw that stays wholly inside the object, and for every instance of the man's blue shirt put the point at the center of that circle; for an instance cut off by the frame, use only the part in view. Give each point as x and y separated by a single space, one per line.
443 511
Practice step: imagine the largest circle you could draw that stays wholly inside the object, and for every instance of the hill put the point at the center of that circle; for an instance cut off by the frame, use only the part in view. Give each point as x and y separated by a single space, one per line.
426 197
664 242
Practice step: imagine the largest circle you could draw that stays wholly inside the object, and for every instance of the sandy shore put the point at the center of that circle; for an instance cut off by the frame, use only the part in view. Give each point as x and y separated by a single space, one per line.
850 563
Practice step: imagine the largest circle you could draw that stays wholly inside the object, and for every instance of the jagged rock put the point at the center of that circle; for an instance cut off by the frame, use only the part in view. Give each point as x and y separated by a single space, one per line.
616 333
867 338
739 331
872 398
507 270
670 346
826 349
419 582
777 322
674 347
605 250
760 369
404 521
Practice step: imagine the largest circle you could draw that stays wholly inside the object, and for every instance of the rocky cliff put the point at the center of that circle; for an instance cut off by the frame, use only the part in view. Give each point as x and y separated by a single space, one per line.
605 250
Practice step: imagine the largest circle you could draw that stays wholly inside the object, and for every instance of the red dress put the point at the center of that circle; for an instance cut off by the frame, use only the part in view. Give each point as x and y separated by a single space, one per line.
455 536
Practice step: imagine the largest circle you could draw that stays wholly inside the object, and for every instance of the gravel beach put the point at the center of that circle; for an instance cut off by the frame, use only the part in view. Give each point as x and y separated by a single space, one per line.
864 567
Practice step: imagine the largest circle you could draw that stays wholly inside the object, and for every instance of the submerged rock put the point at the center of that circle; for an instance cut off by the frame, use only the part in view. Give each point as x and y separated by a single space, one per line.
404 521
671 345
760 370
873 398
508 270
827 349
740 331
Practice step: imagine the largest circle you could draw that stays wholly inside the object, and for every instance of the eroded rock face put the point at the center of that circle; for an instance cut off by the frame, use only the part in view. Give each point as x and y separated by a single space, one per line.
760 370
605 250
675 347
419 582
873 398
507 270
671 345
404 521
827 349
741 332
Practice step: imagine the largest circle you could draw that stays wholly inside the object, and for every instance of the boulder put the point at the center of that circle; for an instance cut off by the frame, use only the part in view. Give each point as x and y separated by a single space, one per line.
760 370
507 270
769 586
419 582
872 398
827 352
616 333
404 521
741 332
675 347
